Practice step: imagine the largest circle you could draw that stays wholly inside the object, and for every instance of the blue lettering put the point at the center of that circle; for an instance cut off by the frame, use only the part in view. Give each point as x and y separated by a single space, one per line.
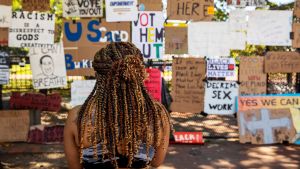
69 62
73 36
96 31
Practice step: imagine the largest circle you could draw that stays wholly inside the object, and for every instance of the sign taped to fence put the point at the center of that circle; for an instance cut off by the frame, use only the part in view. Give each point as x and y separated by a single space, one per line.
149 34
282 62
296 35
220 67
220 97
176 40
244 3
3 36
14 125
4 68
31 29
80 90
150 5
48 67
270 27
154 83
251 76
188 85
36 5
121 10
5 16
196 10
82 8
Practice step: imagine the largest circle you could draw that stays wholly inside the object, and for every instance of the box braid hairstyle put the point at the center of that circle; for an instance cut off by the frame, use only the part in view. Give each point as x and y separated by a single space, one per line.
119 113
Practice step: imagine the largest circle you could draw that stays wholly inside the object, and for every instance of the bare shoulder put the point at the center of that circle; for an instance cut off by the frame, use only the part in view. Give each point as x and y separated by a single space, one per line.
73 114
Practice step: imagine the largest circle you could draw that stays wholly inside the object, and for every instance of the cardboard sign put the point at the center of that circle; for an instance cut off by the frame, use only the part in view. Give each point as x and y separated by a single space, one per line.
149 34
176 40
265 126
251 76
282 62
5 16
270 27
41 134
188 137
36 5
3 36
153 83
6 2
196 10
297 8
220 97
48 67
82 8
244 3
4 68
35 101
121 10
296 35
150 5
188 85
220 67
14 125
37 29
80 90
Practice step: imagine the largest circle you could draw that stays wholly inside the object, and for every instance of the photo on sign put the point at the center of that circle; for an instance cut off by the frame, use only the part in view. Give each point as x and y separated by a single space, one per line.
121 10
82 8
5 16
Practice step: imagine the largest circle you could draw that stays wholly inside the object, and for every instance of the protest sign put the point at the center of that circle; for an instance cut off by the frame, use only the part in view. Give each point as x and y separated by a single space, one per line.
188 137
270 27
238 20
297 8
150 5
149 33
176 40
220 97
4 68
296 35
121 10
6 2
36 5
252 78
266 126
153 83
41 134
196 10
5 16
31 29
80 90
14 125
188 85
245 3
220 67
3 36
282 62
82 8
48 67
36 101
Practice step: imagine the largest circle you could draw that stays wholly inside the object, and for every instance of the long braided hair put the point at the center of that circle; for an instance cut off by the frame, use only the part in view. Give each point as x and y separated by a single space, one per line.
119 114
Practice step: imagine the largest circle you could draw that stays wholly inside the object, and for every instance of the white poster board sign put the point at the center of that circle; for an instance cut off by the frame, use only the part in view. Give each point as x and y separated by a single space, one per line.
121 10
31 29
220 97
148 33
48 67
82 8
238 20
80 90
220 67
5 16
270 27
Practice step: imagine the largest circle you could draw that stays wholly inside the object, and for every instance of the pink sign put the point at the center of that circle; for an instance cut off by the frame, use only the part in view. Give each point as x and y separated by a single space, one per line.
188 137
153 83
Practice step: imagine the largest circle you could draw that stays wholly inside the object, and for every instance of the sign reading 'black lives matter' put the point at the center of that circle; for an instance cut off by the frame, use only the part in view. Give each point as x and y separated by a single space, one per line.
31 29
82 8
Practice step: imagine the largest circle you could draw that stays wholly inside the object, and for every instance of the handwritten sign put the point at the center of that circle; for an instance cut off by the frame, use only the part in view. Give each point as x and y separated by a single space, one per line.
220 67
41 134
150 5
244 3
270 27
36 5
196 10
251 76
297 8
3 36
31 29
282 62
80 90
149 33
188 137
154 83
5 16
48 67
121 10
188 85
296 35
4 68
14 125
82 8
176 40
220 97
35 101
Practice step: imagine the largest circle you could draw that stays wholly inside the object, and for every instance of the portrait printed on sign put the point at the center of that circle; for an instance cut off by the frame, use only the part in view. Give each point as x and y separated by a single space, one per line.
48 67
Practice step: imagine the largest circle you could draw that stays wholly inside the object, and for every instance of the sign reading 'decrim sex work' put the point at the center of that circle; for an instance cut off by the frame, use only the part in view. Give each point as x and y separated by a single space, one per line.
148 34
220 97
31 29
80 90
5 16
82 8
48 67
153 83
220 67
121 10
